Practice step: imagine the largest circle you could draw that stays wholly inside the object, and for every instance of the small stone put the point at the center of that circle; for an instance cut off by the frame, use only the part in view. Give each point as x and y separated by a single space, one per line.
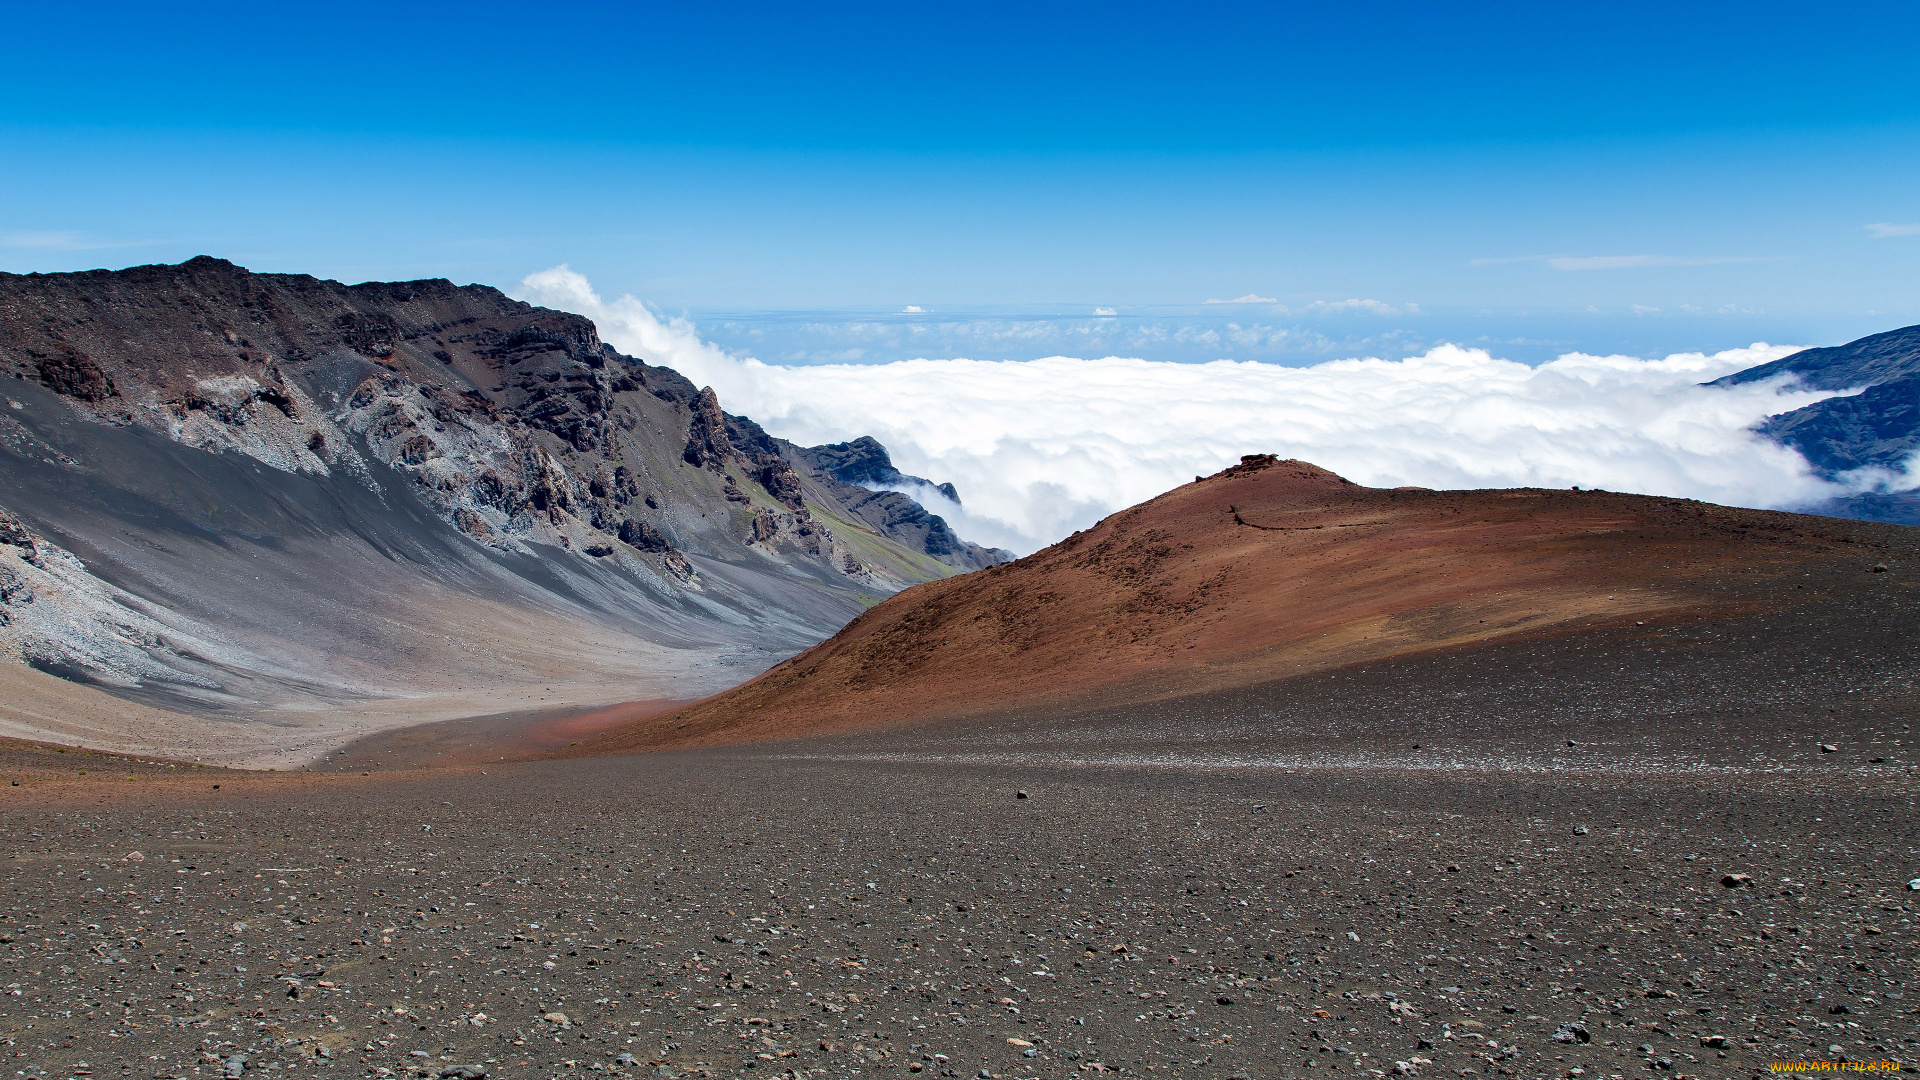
1714 1041
626 1059
1019 794
1735 881
1829 748
234 1065
1913 885
133 856
1572 1033
1579 830
1223 1000
464 1072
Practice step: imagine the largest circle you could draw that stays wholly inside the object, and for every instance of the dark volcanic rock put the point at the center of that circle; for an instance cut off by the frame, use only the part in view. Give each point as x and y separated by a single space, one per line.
707 445
866 478
862 461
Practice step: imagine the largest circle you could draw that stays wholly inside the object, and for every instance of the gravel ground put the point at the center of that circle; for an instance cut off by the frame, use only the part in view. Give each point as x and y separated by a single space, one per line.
746 913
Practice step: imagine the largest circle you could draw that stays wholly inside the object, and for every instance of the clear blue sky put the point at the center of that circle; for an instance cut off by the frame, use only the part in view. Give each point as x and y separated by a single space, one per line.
1724 160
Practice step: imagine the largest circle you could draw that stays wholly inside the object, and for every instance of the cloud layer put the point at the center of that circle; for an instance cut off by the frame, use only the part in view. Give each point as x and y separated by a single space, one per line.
1042 447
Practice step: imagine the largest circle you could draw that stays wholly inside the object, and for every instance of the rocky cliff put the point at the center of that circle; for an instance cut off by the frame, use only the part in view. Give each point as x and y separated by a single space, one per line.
171 430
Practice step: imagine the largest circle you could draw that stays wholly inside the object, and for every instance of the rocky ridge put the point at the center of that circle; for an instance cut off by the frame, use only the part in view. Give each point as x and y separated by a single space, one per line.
516 422
267 495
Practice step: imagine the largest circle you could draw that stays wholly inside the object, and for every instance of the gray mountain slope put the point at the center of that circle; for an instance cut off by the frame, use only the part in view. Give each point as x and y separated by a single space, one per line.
305 510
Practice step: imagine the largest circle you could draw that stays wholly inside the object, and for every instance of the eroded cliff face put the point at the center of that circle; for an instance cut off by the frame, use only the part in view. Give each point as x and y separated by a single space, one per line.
516 422
172 430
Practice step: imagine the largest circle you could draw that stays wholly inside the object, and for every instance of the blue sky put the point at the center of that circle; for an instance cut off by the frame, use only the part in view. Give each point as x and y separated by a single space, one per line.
1537 177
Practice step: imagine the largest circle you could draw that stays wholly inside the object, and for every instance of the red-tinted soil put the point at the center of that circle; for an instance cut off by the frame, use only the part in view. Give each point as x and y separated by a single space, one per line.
1268 571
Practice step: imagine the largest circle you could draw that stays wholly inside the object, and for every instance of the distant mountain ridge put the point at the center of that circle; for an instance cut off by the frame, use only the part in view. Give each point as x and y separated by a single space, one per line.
1878 427
415 473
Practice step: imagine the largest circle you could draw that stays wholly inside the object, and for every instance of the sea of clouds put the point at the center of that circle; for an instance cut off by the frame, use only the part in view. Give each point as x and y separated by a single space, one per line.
1039 448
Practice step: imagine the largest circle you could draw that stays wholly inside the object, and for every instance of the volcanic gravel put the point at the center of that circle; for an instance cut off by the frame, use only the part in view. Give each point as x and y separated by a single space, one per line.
756 915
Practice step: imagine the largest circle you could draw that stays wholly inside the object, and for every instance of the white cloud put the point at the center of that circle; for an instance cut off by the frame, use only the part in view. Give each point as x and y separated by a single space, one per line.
1104 311
1250 298
1040 448
1880 230
913 309
1371 307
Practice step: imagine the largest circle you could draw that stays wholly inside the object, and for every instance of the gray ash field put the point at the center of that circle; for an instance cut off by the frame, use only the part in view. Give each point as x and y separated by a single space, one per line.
1322 900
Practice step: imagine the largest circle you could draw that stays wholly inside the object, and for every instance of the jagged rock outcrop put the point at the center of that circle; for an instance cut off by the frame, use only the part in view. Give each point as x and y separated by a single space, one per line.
865 463
863 476
707 445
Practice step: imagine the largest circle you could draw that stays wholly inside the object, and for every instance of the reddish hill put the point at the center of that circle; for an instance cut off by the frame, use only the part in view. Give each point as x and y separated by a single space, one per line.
1267 570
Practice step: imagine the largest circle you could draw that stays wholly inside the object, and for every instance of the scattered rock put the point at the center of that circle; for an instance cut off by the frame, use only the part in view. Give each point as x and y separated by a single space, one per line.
1019 794
1829 748
1735 881
1572 1033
